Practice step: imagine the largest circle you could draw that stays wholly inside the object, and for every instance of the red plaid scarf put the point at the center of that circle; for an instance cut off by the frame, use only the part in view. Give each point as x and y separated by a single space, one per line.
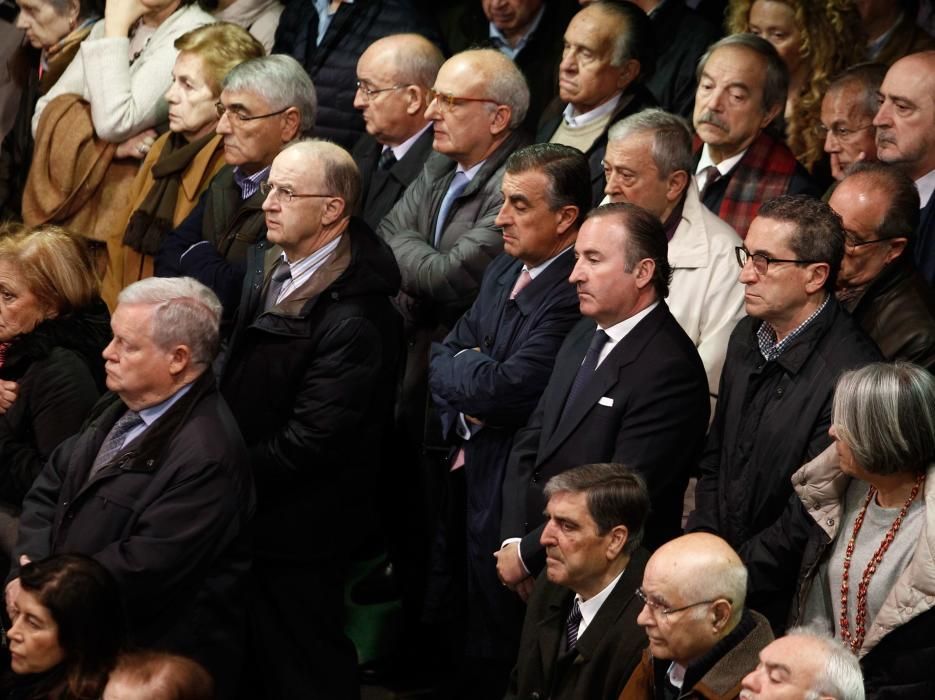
763 173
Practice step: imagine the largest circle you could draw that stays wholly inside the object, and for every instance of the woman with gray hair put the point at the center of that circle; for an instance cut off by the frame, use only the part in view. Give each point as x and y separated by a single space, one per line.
863 530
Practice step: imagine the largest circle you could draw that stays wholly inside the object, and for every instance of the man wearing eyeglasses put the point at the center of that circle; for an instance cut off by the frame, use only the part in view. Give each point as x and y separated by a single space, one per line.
847 113
783 359
878 283
580 636
702 639
310 377
393 77
266 103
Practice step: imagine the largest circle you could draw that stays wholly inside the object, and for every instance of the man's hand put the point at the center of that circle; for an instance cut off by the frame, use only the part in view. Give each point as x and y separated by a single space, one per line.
8 393
12 591
511 571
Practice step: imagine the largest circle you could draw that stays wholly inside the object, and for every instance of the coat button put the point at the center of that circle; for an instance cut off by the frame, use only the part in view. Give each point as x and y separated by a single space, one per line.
831 522
779 391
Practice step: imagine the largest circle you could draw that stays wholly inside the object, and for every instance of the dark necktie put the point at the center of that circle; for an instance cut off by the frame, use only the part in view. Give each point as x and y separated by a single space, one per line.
587 368
387 159
281 275
571 625
712 175
113 443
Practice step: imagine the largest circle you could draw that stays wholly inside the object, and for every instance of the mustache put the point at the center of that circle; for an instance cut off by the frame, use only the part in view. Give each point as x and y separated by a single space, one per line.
714 120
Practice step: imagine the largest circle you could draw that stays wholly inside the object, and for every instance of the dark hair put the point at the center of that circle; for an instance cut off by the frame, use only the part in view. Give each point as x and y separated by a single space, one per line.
646 238
85 603
637 39
901 218
818 233
566 169
165 676
616 495
868 77
776 80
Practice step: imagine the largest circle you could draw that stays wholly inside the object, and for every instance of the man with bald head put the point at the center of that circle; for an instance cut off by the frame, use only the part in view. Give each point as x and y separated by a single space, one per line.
310 377
878 283
701 638
906 138
393 78
804 665
847 113
608 53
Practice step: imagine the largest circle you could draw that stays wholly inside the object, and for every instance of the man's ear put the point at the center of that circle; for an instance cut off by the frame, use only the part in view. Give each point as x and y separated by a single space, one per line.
618 537
722 610
675 185
629 71
817 275
291 123
644 271
333 210
180 359
500 119
416 99
897 247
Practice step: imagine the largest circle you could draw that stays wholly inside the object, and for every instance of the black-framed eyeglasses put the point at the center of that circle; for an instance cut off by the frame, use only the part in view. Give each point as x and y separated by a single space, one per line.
448 102
369 92
660 609
852 241
761 262
237 116
842 133
284 194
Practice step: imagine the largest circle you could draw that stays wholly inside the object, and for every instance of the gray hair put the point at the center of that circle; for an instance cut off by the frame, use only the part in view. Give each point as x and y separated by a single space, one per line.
672 138
868 77
616 495
506 85
727 580
339 174
840 676
282 82
818 233
416 59
885 413
776 81
186 313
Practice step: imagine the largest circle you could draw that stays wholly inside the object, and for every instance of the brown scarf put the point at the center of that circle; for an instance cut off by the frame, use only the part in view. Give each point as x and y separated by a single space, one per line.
151 222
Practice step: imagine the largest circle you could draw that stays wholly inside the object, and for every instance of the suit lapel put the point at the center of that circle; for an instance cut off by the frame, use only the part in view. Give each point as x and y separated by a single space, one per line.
605 378
562 377
551 629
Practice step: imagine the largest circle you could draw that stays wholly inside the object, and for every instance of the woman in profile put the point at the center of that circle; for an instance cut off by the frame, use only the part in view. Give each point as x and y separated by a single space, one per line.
67 630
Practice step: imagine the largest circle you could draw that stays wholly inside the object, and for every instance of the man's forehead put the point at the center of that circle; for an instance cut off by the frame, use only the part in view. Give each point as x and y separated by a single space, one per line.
242 98
736 64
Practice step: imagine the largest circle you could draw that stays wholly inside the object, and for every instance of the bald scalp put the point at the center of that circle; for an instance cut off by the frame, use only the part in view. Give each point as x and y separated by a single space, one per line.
339 173
704 567
415 60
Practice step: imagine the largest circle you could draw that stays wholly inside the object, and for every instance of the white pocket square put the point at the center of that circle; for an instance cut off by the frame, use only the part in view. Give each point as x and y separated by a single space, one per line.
605 401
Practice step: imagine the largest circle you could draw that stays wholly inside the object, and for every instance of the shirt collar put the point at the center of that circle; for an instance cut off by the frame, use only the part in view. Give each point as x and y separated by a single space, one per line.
472 171
576 121
540 268
402 149
150 414
249 184
618 331
500 41
926 186
590 606
766 335
724 167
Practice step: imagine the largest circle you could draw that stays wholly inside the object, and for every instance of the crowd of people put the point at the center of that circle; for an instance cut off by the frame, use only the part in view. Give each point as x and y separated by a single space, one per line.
493 349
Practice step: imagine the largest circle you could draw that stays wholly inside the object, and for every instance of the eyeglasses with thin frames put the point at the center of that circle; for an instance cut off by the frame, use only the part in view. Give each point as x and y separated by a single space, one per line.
370 92
284 194
762 262
659 609
236 117
448 102
852 241
841 133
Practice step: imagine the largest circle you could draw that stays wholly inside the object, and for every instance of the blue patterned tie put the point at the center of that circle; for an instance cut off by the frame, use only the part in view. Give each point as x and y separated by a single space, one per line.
113 443
458 183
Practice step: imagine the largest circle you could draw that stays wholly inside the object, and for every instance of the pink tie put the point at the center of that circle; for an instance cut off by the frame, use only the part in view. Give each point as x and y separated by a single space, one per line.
458 461
524 279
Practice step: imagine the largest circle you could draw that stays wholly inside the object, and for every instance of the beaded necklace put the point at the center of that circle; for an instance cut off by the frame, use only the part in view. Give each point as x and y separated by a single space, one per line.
856 641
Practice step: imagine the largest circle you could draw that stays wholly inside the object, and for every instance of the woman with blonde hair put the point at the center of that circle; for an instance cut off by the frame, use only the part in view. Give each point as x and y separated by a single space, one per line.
183 161
53 328
816 40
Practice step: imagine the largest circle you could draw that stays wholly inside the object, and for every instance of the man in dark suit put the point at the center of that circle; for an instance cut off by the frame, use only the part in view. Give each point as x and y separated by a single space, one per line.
393 78
608 54
488 375
630 390
581 638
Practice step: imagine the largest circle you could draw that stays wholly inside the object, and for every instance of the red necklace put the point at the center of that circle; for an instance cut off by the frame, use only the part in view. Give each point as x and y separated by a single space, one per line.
860 617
